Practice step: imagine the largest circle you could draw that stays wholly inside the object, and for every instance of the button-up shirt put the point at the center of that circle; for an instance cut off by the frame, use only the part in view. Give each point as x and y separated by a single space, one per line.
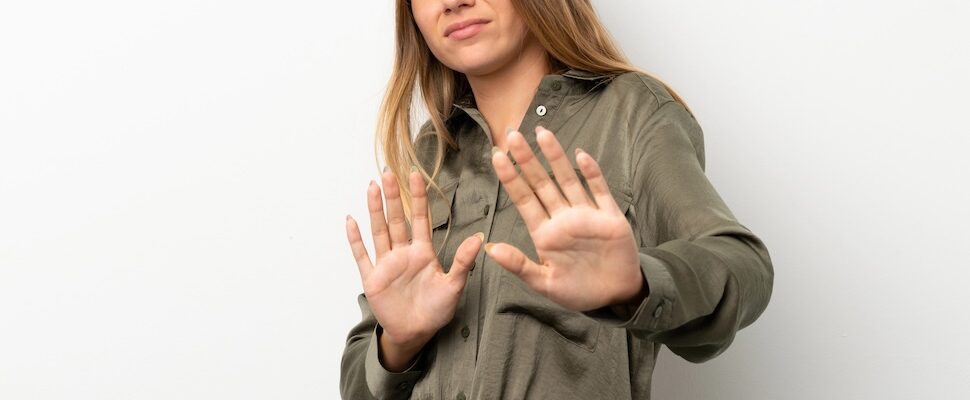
707 275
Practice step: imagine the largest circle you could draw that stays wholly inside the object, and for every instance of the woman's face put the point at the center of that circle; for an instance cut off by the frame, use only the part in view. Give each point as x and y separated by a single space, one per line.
492 37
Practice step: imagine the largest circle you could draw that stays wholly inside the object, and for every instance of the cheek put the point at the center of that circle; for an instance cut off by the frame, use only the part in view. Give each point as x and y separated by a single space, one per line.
518 31
425 19
437 50
428 29
424 27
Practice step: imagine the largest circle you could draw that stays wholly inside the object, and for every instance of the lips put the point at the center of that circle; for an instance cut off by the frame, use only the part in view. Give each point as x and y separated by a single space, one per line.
463 24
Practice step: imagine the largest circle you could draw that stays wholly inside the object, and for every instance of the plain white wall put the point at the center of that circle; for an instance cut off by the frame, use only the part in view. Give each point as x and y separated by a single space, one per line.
174 178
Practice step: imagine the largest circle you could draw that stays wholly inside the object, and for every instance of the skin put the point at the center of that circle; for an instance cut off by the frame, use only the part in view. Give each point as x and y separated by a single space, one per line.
581 268
504 62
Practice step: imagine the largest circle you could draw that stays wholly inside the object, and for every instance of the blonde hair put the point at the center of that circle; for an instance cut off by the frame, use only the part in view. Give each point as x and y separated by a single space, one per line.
569 30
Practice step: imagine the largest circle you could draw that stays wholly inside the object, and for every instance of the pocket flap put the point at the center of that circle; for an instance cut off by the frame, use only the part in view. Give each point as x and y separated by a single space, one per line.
441 206
623 199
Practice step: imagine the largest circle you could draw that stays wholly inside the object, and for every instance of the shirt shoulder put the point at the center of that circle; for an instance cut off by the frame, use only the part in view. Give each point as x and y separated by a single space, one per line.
640 92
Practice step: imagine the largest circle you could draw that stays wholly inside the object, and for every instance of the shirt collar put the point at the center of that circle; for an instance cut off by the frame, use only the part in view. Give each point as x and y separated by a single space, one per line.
585 75
466 103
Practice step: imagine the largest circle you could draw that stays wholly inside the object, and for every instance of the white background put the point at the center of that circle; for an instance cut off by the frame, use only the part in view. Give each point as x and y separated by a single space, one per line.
174 178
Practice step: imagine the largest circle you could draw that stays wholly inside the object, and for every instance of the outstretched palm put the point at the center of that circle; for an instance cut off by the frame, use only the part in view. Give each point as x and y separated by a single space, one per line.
408 291
587 254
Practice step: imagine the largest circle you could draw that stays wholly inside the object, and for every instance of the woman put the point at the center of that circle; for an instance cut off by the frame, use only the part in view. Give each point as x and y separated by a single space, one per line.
617 243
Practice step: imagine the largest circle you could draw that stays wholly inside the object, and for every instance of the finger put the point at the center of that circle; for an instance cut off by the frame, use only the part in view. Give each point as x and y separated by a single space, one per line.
535 174
378 226
533 213
396 223
596 181
516 262
561 168
465 258
420 226
364 265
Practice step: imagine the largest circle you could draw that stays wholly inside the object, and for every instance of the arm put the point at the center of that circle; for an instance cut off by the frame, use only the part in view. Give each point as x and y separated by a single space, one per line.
709 276
407 290
363 375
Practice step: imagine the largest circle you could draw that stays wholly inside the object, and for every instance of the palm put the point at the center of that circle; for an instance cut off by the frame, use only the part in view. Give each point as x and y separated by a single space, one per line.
587 253
409 293
583 248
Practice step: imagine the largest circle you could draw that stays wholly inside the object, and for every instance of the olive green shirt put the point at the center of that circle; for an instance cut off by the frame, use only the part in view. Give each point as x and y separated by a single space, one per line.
707 274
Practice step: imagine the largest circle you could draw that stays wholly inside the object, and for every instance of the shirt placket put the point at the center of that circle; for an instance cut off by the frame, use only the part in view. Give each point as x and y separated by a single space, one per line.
543 110
477 170
474 147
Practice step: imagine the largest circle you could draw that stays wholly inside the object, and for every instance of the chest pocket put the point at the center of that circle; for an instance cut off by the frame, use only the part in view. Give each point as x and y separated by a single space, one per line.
442 207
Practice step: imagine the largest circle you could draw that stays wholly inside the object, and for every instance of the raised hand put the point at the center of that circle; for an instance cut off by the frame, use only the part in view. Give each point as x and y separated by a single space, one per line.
588 257
408 291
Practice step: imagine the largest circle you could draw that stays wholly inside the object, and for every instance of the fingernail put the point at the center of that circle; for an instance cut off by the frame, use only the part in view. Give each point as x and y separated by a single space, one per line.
481 236
488 247
348 217
414 168
509 130
386 167
495 149
578 150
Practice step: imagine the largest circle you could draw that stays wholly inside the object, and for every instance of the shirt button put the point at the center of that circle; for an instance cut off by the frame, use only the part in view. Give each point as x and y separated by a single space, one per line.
402 385
658 311
485 210
541 110
460 396
556 85
465 332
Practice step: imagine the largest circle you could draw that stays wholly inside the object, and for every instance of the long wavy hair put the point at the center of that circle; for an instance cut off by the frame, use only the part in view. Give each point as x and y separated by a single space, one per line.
569 30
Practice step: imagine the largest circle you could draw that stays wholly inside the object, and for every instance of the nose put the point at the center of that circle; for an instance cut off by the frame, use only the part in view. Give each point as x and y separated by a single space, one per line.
454 5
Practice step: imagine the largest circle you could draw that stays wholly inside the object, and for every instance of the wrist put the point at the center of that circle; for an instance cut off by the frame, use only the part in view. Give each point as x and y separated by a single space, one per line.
397 355
633 295
406 342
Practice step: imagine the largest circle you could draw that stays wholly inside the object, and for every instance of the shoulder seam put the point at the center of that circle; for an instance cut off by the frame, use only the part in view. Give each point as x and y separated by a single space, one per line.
661 100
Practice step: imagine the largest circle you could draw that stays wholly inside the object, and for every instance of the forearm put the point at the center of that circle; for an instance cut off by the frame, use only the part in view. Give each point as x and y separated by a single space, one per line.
707 275
363 375
353 373
699 293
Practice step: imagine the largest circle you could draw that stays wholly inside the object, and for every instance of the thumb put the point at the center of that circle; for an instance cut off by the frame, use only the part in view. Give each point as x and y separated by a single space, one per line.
516 262
465 258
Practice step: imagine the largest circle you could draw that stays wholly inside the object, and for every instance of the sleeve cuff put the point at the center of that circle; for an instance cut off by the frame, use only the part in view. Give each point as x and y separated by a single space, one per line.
653 312
384 384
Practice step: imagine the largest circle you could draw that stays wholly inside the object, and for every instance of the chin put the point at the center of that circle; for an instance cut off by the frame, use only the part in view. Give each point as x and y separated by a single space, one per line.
476 64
